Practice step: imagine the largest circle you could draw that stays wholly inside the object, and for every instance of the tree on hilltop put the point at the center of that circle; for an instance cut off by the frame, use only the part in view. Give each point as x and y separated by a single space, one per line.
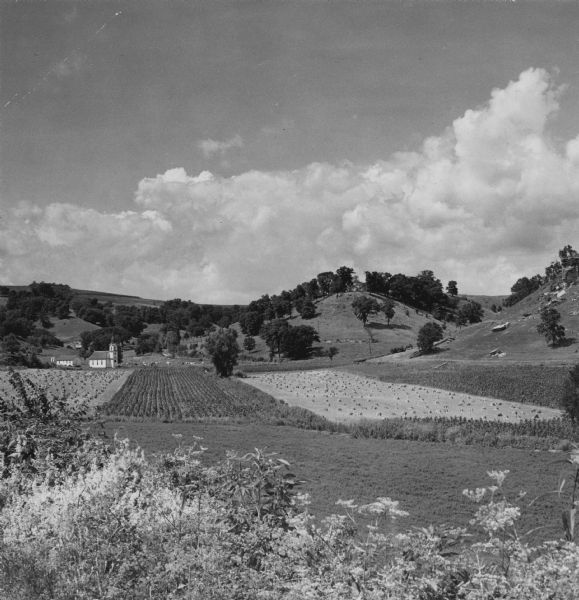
363 307
346 275
451 288
223 350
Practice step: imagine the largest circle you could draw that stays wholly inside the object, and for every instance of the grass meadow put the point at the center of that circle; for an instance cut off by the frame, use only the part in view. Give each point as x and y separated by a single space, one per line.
427 478
539 384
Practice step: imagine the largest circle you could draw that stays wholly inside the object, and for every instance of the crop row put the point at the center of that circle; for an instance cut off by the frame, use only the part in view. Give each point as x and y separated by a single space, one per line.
175 394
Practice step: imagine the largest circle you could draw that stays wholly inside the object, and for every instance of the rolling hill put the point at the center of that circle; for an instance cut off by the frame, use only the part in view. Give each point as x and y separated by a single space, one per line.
337 326
519 340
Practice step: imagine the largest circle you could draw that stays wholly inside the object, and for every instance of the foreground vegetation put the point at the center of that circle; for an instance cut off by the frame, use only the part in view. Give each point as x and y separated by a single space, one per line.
84 519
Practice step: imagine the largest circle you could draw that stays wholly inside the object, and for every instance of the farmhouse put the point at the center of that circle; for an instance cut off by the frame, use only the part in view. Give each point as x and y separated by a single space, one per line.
65 361
105 359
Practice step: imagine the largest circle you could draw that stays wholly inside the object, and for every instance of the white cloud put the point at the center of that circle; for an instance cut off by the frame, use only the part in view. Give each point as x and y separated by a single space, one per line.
213 147
487 201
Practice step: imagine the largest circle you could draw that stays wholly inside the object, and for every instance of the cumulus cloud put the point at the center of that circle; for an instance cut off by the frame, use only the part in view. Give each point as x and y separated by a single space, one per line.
487 201
213 147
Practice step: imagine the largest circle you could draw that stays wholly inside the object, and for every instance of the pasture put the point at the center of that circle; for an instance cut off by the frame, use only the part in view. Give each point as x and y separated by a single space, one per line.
345 397
426 478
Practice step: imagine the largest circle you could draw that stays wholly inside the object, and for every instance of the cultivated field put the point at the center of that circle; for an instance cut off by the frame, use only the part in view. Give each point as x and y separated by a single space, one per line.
347 397
92 387
175 394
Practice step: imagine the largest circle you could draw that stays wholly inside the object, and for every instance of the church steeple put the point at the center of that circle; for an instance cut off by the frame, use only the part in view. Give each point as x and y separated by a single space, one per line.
114 353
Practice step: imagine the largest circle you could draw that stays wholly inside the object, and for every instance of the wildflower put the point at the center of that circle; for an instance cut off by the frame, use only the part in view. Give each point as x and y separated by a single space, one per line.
498 476
383 505
476 495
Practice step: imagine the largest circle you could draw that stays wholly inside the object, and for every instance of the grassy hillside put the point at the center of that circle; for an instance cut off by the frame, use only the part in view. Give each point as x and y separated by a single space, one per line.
337 326
70 329
520 340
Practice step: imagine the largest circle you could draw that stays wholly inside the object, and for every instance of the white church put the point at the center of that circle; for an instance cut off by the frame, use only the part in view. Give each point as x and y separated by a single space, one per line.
105 359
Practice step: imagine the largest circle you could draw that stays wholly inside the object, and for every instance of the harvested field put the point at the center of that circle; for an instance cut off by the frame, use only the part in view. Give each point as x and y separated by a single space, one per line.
345 397
92 387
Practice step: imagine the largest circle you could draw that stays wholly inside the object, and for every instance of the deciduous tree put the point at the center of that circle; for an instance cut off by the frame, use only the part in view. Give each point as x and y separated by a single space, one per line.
387 308
550 327
363 307
428 335
223 350
249 343
307 309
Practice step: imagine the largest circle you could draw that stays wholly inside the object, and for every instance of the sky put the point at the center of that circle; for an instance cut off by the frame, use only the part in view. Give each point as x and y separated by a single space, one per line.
220 150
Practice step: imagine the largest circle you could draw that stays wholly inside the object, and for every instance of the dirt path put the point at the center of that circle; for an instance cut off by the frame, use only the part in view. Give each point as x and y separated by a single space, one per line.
344 397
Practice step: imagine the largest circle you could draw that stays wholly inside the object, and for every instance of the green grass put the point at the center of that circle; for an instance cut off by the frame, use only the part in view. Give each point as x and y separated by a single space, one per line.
535 384
426 478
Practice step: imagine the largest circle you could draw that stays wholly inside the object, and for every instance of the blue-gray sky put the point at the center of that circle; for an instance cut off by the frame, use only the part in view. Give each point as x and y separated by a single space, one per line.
220 150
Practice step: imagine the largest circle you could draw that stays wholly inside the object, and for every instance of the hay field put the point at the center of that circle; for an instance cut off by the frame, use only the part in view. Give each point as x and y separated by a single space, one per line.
93 387
346 397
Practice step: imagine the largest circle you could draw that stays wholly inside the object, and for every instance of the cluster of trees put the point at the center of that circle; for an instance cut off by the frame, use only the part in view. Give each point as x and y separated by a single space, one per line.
196 319
282 339
26 308
293 342
301 299
469 311
133 318
522 288
423 291
364 306
99 339
25 320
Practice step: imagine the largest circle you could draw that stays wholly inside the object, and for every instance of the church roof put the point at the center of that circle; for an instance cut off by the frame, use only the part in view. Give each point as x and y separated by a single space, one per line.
99 355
